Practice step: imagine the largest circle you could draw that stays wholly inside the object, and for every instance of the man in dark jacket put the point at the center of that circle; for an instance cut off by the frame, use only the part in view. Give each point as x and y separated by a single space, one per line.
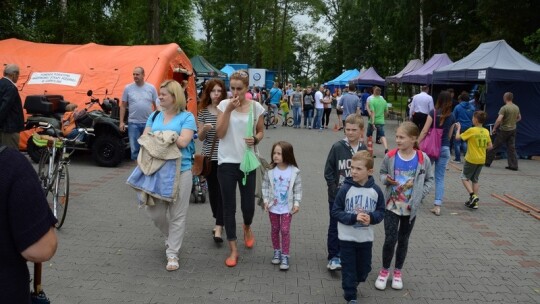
11 112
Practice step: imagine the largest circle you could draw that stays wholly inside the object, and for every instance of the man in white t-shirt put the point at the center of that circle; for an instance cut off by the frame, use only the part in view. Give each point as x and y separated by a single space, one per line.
421 106
141 100
319 108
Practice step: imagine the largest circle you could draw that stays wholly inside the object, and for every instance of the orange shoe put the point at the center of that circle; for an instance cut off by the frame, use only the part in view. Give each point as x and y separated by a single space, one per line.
249 238
231 262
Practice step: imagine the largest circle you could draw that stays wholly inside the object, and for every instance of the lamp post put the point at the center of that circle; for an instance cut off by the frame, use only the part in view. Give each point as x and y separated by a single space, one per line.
428 30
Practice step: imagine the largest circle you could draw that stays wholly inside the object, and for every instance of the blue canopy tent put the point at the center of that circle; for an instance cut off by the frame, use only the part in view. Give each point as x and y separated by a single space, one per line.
503 69
342 80
227 69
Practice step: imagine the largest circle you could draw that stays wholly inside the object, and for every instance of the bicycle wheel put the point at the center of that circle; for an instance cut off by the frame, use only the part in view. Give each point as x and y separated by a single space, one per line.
269 119
290 121
274 120
60 195
43 170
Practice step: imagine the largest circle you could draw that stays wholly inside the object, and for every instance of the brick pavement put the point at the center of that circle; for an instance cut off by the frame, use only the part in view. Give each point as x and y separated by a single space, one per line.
111 253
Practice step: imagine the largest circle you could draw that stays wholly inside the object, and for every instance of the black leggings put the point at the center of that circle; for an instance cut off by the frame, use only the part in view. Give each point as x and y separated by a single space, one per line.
396 229
214 194
326 117
229 176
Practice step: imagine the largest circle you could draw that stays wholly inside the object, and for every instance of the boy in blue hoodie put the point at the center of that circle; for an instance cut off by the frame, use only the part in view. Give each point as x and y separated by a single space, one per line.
359 204
463 113
336 169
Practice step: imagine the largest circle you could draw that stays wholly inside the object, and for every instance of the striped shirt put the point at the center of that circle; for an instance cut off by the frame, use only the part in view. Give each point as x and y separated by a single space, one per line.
205 117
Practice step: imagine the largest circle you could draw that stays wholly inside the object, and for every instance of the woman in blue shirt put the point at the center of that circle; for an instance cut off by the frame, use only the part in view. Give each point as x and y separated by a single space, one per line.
174 117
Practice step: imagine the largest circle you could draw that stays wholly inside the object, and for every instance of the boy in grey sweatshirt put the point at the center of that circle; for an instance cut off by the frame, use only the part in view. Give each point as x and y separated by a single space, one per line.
358 205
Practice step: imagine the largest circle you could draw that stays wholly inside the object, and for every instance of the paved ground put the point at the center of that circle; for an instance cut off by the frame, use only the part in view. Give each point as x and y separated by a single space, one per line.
111 253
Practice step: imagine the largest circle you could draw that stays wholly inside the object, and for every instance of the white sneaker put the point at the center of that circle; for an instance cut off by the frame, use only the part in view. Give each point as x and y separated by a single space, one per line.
334 264
380 283
397 283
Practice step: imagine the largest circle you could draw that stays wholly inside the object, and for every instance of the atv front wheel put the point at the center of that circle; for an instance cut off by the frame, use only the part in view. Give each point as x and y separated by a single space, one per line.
107 150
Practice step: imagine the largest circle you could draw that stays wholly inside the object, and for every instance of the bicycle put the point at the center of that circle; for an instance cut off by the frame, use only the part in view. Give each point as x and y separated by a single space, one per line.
270 119
53 171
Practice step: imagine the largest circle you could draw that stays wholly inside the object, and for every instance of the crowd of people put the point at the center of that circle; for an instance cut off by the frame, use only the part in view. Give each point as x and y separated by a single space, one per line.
230 125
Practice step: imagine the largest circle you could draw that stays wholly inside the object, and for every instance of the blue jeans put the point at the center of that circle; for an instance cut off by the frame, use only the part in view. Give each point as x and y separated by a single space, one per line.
135 130
297 115
440 170
459 146
318 118
356 265
274 108
308 117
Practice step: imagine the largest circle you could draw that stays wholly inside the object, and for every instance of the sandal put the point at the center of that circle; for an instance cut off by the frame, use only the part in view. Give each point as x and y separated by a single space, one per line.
231 262
249 238
436 210
172 264
217 238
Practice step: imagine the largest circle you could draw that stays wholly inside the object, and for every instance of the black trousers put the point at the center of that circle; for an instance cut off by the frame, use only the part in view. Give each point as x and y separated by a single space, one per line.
355 266
419 119
230 176
214 194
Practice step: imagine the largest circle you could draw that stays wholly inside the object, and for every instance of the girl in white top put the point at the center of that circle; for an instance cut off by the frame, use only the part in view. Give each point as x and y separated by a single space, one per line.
233 116
282 193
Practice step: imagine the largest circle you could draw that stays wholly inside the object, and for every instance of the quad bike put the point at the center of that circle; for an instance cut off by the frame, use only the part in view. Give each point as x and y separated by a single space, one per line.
109 144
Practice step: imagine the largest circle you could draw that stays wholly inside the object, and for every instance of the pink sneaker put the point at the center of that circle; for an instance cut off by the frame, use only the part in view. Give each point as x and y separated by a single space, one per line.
380 284
397 283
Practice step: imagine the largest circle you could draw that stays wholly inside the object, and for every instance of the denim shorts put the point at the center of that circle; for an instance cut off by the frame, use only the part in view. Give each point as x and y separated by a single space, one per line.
380 130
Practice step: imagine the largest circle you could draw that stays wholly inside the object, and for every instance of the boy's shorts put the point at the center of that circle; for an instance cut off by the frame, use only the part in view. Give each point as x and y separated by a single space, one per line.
471 172
380 130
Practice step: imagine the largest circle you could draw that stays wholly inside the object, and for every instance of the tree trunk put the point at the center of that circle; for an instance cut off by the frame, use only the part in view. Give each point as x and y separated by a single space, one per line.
274 26
281 46
153 24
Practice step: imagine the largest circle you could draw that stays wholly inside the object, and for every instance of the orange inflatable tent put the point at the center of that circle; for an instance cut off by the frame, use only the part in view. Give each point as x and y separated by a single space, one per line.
72 70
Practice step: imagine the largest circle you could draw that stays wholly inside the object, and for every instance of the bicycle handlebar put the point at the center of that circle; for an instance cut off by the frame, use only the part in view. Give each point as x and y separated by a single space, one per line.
87 131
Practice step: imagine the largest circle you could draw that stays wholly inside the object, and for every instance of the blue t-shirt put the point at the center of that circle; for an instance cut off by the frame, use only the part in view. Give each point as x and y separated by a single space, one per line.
404 173
182 120
275 95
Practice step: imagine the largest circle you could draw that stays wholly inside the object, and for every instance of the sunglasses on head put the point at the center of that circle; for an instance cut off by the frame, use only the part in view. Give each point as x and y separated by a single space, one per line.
241 74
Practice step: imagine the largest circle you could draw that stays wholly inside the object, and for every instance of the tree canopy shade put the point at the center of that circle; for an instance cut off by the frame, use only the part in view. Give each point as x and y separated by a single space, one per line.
424 74
491 61
369 77
205 69
71 70
412 66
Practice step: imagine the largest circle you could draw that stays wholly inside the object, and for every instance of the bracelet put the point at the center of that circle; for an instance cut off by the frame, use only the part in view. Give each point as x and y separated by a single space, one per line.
255 140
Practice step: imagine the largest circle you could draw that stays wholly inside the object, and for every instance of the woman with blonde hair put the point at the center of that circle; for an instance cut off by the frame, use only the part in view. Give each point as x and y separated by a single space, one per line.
170 217
234 117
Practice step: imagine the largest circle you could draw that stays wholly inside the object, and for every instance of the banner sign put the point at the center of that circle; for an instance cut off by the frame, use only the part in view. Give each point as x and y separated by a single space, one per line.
68 79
